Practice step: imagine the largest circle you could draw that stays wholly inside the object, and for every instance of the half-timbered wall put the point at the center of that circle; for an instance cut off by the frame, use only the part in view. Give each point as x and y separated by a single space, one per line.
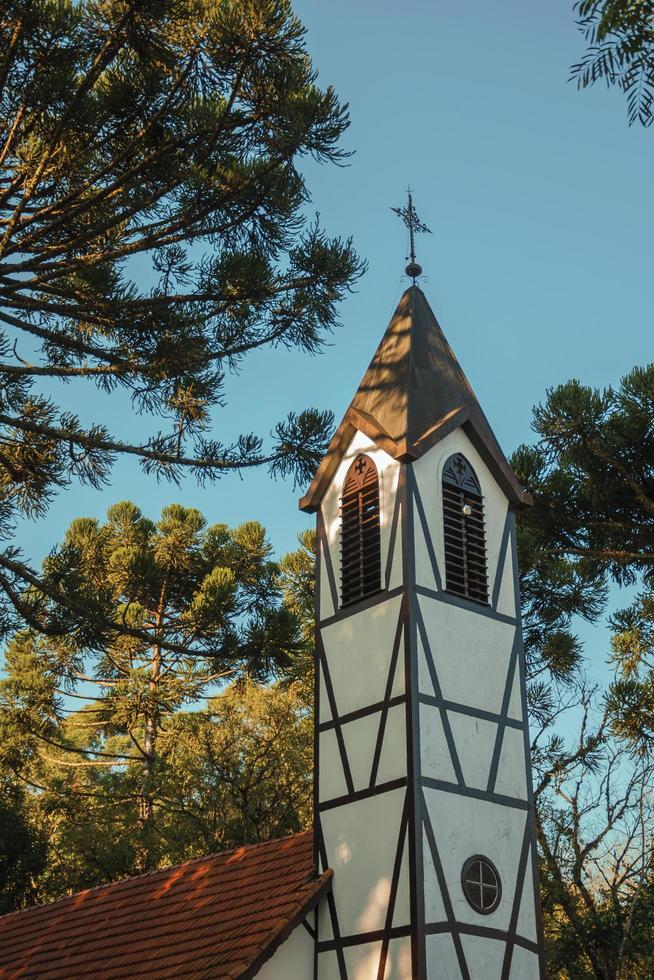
422 745
362 763
474 761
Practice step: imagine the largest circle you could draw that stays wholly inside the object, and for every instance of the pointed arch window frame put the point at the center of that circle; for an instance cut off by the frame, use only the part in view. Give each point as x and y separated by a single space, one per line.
360 531
464 531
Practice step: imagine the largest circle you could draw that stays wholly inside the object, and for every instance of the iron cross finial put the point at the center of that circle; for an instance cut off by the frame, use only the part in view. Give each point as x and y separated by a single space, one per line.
409 216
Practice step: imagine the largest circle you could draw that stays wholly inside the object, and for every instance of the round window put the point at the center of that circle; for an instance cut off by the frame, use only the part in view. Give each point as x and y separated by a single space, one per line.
481 884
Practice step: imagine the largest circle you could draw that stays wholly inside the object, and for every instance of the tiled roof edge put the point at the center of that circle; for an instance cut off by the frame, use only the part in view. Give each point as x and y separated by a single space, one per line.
147 874
284 928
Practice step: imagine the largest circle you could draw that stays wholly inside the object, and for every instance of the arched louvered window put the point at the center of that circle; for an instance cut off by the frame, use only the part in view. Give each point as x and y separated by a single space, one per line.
360 544
465 534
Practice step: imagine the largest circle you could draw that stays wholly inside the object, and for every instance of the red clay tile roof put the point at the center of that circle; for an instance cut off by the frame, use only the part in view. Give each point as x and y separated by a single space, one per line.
215 917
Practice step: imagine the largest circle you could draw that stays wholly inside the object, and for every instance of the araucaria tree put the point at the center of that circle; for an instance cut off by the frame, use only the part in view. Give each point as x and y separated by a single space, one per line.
153 231
591 529
203 605
620 37
592 474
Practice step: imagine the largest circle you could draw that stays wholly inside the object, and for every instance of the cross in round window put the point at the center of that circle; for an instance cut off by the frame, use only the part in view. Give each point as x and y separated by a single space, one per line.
481 884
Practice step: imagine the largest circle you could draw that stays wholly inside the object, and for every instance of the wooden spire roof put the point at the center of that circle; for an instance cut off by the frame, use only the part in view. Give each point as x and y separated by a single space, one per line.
412 395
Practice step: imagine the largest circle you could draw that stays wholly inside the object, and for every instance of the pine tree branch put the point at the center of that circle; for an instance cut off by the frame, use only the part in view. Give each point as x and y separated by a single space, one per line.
64 205
68 748
150 236
11 51
108 50
89 442
82 371
11 135
138 745
22 572
62 340
607 554
100 681
145 164
64 795
87 764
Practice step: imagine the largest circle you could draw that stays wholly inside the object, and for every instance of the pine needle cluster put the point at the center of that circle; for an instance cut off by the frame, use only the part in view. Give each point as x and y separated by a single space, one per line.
620 52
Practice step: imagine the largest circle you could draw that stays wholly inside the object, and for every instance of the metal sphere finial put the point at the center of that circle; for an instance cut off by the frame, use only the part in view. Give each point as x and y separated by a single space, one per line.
409 216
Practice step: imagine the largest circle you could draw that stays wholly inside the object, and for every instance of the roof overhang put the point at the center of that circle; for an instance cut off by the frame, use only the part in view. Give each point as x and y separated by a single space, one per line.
475 428
311 895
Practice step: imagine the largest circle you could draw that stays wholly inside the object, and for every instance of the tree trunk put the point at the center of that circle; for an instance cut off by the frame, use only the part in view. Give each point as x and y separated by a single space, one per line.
150 743
144 856
144 853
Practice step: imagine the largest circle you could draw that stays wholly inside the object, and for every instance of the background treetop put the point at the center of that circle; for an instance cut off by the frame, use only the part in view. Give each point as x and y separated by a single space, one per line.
195 607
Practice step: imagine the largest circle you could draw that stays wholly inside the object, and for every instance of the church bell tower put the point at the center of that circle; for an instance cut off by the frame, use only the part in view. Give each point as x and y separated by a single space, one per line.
423 798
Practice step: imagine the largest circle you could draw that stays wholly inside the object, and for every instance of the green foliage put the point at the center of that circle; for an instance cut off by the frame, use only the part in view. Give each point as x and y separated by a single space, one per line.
592 528
556 584
236 772
153 232
240 772
631 703
22 849
631 696
197 606
298 582
567 958
620 38
592 476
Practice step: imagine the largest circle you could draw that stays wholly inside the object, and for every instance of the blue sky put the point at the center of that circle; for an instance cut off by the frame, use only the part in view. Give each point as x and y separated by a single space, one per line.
540 203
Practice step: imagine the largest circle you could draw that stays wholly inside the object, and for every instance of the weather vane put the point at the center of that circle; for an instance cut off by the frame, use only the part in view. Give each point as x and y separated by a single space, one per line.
409 216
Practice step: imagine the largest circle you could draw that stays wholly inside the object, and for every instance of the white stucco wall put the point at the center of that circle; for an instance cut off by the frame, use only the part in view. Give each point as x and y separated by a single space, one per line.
361 842
293 960
359 649
471 654
524 965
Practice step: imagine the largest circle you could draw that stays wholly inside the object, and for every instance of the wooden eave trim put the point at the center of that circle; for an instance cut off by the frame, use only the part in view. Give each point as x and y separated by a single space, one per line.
453 420
341 439
488 448
403 451
322 886
353 420
368 424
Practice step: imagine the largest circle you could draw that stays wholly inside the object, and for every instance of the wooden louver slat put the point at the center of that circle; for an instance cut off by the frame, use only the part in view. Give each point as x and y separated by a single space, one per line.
464 531
360 538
